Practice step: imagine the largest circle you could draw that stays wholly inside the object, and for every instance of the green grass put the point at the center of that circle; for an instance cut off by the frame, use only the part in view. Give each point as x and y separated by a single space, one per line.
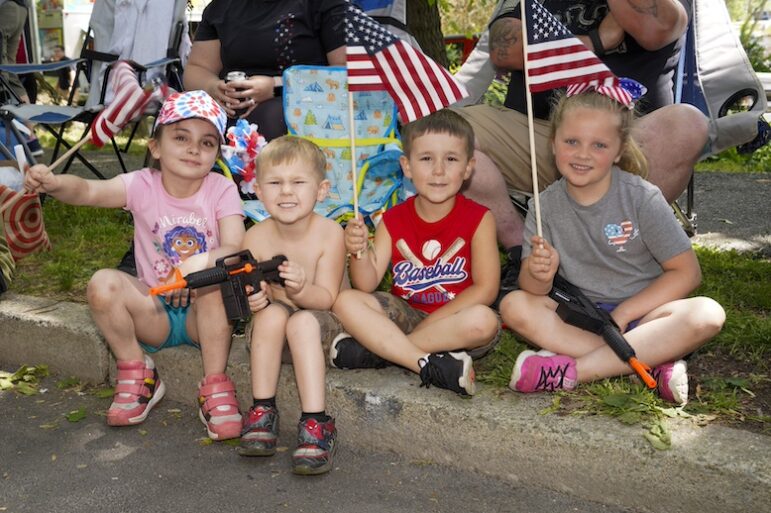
73 132
730 161
739 282
84 240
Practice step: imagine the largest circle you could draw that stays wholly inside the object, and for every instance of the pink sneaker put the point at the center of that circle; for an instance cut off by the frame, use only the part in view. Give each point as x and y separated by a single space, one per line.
672 381
138 388
535 372
219 407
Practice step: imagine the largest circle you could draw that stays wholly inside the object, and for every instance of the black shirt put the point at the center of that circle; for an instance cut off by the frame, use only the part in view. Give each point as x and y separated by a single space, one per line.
654 69
263 37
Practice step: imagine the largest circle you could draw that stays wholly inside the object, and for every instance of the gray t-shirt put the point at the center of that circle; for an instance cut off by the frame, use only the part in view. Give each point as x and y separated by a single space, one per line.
614 248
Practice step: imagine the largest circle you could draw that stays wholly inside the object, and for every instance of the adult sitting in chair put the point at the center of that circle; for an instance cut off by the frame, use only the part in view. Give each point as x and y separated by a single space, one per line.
634 40
262 39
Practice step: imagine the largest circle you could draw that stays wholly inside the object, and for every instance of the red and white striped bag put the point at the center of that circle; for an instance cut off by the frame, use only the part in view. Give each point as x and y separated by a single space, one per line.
22 215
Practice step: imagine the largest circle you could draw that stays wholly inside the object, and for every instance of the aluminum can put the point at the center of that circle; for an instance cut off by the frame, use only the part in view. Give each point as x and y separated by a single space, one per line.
232 76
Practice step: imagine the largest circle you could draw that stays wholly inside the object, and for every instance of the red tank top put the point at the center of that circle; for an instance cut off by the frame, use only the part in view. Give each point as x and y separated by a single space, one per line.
431 262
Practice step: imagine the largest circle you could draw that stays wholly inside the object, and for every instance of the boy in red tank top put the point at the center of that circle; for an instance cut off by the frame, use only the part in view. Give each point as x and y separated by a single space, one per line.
443 255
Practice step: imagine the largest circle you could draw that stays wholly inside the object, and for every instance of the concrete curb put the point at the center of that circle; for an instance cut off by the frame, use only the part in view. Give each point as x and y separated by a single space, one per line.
708 469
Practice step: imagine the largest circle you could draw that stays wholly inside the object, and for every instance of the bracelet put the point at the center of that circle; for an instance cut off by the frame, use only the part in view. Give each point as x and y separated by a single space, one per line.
594 37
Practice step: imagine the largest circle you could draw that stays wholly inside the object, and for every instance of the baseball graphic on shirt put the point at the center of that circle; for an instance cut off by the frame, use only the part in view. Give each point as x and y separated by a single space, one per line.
431 249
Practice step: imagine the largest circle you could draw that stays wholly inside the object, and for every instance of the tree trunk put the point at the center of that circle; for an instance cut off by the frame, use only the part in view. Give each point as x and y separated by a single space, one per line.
424 23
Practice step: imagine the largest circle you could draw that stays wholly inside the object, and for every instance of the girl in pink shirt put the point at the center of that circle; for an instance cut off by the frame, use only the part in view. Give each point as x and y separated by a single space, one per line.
184 219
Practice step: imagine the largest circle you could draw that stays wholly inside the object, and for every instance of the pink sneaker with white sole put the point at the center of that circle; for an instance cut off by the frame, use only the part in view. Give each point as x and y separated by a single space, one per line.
672 381
543 372
219 407
138 388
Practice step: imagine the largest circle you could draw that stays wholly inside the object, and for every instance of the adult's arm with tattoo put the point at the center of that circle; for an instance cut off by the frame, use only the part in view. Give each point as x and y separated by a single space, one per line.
652 23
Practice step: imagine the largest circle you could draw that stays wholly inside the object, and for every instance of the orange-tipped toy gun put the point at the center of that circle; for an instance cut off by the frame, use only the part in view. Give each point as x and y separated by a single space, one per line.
233 273
576 309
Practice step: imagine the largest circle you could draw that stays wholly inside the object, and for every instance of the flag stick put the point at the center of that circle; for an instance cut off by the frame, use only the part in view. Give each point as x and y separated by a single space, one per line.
75 147
352 133
354 177
529 99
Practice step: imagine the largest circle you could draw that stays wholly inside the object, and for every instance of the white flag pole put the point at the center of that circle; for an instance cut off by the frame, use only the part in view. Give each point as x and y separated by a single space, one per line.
354 174
352 132
529 99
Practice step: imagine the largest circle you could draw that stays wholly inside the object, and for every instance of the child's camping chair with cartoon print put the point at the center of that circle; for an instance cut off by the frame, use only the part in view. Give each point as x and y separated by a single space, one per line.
316 108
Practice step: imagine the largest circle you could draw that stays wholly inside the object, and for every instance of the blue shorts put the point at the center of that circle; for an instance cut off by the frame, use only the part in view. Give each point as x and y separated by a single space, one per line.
177 330
609 307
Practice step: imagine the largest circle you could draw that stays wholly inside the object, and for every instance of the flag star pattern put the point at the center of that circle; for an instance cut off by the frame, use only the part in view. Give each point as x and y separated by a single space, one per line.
377 60
556 58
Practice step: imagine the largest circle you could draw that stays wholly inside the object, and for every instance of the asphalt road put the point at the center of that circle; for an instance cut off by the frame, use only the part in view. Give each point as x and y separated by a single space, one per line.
48 463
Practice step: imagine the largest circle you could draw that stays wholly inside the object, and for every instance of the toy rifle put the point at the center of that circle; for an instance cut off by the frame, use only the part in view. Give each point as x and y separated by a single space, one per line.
232 277
576 309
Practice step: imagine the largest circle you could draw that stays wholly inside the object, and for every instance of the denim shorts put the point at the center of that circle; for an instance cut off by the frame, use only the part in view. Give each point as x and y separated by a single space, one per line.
609 307
177 330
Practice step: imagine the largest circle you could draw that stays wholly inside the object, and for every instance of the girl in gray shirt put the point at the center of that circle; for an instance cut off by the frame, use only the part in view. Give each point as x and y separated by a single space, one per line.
613 235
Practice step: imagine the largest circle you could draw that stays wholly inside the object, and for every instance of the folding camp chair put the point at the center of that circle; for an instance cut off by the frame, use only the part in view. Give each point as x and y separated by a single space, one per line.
316 108
715 75
111 36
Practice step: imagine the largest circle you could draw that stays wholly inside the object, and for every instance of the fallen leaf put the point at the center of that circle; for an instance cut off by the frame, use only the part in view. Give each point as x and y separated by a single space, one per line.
53 457
53 425
26 388
81 465
104 393
67 383
76 415
659 437
142 432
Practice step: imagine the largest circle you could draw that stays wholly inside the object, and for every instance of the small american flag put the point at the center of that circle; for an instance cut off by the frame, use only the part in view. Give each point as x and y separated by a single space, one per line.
377 60
556 58
129 102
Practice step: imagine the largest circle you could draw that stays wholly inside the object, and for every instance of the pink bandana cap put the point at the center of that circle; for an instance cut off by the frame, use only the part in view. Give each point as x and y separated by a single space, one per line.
191 105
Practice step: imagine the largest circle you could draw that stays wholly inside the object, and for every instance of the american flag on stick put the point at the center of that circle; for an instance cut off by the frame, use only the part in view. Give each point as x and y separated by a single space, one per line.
378 60
128 103
556 58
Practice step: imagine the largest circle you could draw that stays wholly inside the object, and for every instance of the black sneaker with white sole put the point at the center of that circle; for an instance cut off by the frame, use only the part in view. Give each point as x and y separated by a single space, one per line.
452 371
346 353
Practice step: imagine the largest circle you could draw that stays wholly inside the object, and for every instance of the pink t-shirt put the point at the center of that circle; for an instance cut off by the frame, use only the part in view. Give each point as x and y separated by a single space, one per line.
168 230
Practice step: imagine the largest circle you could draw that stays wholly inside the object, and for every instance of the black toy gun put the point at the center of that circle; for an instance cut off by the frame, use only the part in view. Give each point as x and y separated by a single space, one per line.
233 277
577 310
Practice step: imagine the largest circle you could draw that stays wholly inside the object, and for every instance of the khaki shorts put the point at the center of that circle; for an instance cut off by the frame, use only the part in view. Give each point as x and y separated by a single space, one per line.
329 326
407 318
502 135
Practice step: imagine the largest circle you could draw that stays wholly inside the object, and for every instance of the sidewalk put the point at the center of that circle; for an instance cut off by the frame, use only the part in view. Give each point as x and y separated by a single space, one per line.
708 469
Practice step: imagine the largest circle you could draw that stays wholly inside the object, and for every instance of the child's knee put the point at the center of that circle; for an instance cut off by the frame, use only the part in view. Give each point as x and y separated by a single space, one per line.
302 325
485 325
710 317
271 320
513 309
342 301
103 289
